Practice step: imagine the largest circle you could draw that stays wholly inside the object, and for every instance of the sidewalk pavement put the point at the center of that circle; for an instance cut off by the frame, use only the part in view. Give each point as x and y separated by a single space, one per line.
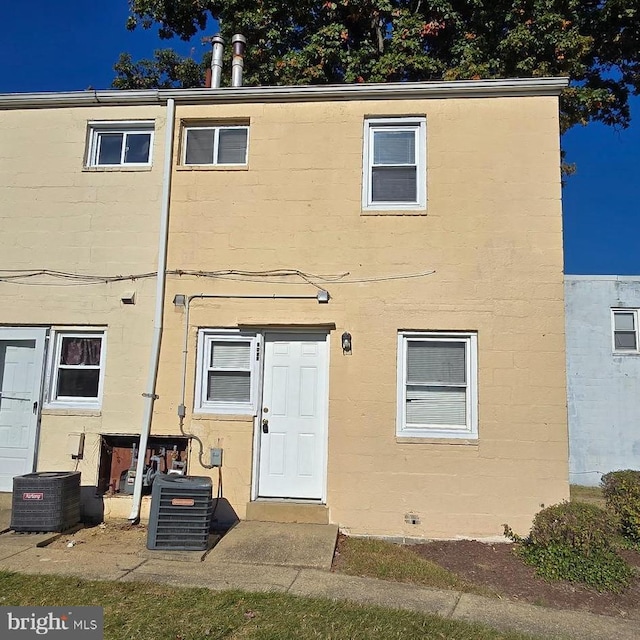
273 557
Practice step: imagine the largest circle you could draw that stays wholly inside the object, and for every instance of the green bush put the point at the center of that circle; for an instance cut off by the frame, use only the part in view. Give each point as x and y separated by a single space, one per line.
582 526
621 490
574 541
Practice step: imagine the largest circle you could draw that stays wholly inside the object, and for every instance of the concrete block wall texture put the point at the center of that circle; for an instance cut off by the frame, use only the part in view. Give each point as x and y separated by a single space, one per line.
602 386
56 214
491 234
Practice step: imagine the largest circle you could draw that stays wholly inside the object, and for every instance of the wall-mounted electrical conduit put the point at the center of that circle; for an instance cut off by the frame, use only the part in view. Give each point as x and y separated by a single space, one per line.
180 300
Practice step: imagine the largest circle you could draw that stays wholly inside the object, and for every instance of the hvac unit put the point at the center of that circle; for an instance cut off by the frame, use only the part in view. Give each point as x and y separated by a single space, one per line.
46 501
181 509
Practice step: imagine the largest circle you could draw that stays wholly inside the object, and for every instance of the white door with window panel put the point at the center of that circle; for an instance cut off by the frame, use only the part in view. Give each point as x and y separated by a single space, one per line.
293 421
21 363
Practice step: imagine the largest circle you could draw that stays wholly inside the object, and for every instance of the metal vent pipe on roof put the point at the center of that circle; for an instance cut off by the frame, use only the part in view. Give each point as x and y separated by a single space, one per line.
238 42
216 61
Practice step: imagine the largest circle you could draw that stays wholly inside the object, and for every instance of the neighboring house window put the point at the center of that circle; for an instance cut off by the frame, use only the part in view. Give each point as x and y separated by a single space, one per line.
437 385
77 369
215 145
118 144
227 372
394 171
625 330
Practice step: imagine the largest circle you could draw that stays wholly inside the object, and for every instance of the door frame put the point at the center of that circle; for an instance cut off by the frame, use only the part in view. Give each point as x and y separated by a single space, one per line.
41 337
257 420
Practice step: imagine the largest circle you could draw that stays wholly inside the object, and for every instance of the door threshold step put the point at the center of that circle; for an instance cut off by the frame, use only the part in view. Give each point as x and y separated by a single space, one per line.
270 511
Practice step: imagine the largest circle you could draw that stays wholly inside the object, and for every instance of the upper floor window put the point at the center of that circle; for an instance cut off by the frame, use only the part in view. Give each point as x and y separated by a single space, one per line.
437 385
120 144
226 380
625 330
76 372
215 145
394 171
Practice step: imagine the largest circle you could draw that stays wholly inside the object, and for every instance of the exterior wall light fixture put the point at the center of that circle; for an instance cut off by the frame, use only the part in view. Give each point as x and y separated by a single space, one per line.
346 342
180 300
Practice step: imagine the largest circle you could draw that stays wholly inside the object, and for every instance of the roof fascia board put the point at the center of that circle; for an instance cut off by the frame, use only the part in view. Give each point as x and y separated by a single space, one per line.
509 87
389 91
53 99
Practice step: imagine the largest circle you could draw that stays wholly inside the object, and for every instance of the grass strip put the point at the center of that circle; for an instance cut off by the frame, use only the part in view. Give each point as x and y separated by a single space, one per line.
147 611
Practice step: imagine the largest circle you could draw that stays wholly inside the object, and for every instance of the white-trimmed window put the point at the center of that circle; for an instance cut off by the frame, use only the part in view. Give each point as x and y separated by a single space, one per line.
227 373
625 330
394 164
76 372
120 144
215 145
437 385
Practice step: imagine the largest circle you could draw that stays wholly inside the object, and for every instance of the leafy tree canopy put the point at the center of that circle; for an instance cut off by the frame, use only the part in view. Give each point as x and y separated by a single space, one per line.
594 42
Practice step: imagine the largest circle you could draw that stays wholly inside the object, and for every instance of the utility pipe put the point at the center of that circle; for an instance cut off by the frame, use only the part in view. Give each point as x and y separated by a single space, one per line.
238 44
216 61
185 343
150 394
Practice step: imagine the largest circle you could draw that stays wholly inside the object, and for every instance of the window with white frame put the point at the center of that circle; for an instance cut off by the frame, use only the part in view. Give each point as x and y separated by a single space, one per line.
77 369
394 164
625 330
120 144
215 145
226 380
437 385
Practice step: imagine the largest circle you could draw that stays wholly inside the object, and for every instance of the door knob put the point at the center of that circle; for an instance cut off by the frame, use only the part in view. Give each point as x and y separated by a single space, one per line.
265 426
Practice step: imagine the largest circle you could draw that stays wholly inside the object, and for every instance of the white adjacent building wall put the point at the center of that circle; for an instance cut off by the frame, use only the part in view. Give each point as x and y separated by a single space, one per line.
603 384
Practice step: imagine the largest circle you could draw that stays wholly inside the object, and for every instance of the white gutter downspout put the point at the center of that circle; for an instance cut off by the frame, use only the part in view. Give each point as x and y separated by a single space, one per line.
150 394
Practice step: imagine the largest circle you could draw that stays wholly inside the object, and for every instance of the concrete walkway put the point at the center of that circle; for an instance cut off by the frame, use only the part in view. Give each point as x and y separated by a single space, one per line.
294 558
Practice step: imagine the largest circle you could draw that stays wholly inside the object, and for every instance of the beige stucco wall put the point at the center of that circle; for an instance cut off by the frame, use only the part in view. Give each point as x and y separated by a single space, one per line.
57 215
492 234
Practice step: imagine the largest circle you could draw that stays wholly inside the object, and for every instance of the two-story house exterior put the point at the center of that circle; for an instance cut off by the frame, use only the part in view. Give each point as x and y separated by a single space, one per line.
363 304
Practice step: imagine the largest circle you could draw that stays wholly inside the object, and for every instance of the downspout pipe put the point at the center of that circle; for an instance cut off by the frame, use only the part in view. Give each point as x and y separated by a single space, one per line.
150 393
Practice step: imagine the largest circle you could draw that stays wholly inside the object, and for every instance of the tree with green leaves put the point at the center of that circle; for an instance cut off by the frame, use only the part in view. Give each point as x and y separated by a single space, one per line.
596 43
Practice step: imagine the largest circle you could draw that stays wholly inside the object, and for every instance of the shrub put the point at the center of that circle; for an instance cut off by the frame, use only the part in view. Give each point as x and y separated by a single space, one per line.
622 492
574 541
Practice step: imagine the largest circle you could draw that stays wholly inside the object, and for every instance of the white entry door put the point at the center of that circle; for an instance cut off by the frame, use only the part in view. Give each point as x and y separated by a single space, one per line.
21 362
293 421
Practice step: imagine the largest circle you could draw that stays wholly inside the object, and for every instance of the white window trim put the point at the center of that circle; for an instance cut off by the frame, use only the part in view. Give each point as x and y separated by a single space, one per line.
216 128
623 352
470 431
205 338
125 127
419 125
71 402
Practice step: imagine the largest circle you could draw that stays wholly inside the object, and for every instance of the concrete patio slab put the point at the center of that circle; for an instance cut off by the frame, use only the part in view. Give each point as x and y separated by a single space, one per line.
274 543
92 566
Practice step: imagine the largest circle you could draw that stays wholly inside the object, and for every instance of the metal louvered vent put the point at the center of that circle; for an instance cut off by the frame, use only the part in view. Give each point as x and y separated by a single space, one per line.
181 508
45 501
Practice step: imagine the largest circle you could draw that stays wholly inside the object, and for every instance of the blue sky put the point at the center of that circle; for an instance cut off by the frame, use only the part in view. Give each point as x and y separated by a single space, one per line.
73 44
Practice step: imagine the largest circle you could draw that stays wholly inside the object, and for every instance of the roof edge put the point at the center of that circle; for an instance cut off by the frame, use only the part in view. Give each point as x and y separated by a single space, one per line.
507 87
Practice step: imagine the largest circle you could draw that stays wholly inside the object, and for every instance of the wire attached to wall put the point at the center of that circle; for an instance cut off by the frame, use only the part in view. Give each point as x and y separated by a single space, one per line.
275 276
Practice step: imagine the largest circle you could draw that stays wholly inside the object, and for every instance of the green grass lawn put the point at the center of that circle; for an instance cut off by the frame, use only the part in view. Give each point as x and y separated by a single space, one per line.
587 494
145 611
